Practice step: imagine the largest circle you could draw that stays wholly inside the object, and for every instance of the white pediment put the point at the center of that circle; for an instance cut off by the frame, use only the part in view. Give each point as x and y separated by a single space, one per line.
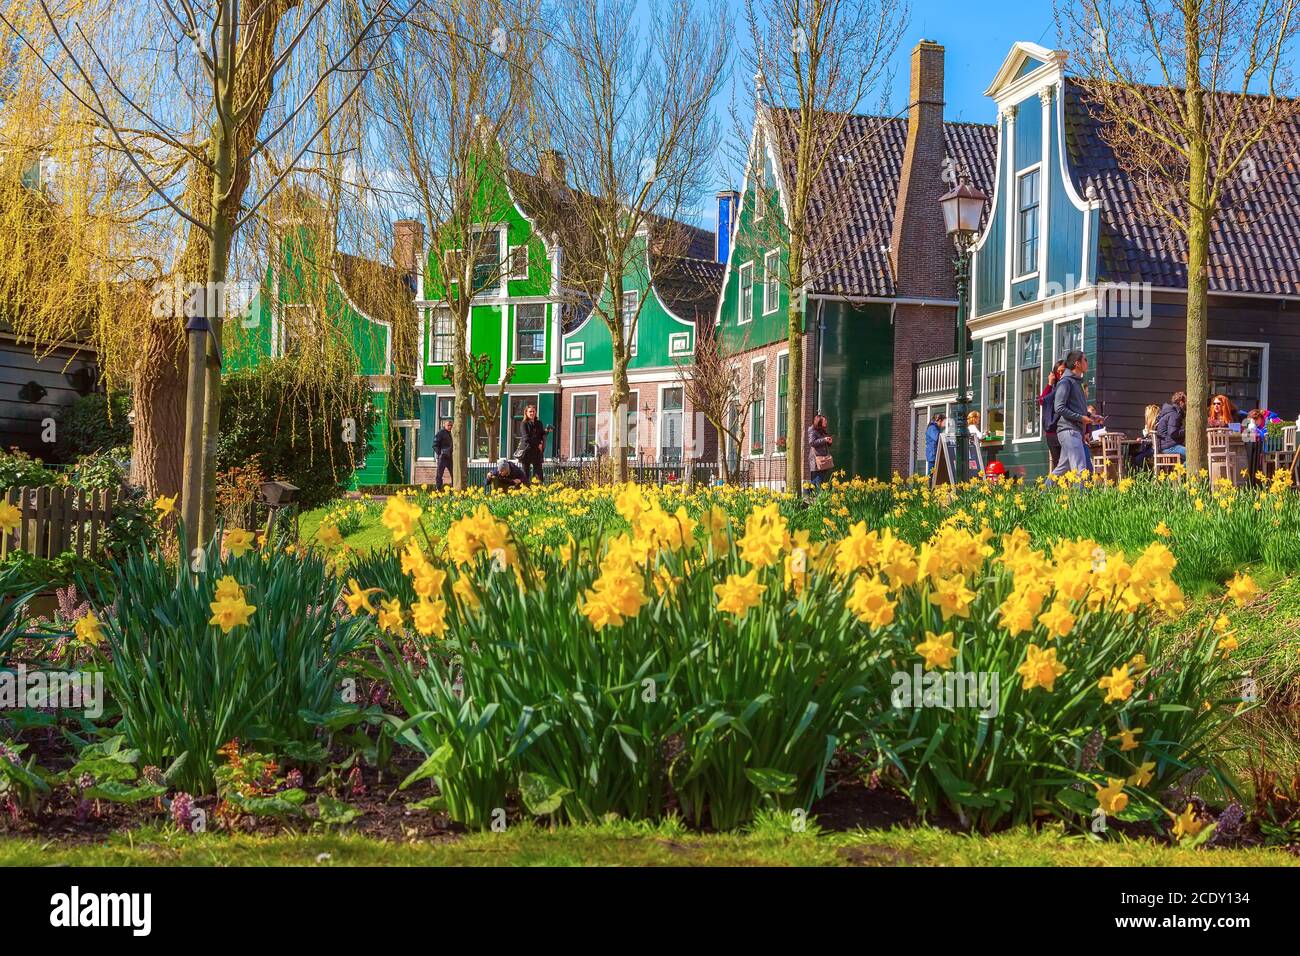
1024 60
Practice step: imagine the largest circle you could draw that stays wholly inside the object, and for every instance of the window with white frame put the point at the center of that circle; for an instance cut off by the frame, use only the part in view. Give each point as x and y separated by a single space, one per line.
1069 338
584 426
758 410
631 416
1027 201
1029 421
630 302
1237 370
485 276
995 387
298 326
442 337
446 407
782 391
771 281
519 262
745 280
479 444
530 332
670 423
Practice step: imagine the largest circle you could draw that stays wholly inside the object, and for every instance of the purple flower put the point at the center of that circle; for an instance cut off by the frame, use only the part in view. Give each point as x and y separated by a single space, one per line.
183 811
293 780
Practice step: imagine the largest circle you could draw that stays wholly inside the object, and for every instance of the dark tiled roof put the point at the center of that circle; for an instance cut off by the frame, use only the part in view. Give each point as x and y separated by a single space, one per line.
380 291
1255 245
853 207
690 286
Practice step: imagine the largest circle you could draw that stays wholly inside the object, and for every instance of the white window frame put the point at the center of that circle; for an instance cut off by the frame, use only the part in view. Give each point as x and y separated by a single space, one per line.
503 266
1018 276
573 424
663 418
984 382
432 357
1263 359
776 397
629 339
282 339
1082 320
632 449
514 343
1042 377
771 281
744 315
513 271
753 391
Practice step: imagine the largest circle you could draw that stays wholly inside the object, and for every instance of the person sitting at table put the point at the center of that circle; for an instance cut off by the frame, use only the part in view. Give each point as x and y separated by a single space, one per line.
1171 426
973 427
1141 454
1222 412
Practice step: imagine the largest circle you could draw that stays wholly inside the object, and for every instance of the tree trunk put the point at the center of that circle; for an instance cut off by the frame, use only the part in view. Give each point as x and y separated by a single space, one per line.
461 411
158 398
794 385
619 390
1199 216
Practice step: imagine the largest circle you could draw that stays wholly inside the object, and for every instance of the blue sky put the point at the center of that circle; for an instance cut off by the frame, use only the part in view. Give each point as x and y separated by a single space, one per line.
976 36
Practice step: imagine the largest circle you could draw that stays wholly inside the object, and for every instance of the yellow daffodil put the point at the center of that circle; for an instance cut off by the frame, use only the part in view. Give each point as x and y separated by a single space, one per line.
1112 798
229 589
1040 668
239 541
430 617
952 597
1118 684
1242 589
329 536
10 517
739 593
230 613
1143 775
401 515
164 505
937 650
357 598
1058 620
88 631
870 602
1127 738
390 615
1186 824
463 588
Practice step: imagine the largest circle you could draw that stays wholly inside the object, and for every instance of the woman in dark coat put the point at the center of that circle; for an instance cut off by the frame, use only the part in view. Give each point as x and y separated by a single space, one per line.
819 451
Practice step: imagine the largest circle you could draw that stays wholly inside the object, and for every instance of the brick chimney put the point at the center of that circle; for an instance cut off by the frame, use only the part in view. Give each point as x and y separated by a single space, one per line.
919 249
408 245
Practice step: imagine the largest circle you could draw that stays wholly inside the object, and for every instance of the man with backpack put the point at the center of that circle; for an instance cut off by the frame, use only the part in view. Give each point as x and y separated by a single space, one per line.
1071 418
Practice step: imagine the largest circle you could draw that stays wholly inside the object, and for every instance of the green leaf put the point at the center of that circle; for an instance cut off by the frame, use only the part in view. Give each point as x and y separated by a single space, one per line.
286 803
435 765
119 792
334 812
770 780
541 795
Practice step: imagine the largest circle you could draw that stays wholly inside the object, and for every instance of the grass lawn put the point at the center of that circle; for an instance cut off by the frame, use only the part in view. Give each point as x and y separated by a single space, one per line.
629 845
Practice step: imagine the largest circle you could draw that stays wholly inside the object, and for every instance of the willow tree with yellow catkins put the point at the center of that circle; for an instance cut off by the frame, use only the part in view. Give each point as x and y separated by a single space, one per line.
1196 99
194 97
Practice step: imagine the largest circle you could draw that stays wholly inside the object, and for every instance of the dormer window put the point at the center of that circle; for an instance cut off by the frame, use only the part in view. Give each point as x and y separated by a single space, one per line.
1027 202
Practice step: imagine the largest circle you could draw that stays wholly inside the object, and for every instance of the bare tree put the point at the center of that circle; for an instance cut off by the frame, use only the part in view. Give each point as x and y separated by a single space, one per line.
629 115
455 93
815 63
714 385
235 91
487 411
1223 69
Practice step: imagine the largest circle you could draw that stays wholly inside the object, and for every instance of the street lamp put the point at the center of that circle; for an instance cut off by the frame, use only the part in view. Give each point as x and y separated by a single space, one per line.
963 208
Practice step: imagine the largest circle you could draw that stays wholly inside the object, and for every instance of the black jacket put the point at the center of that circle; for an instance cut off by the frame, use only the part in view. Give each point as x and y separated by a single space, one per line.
1171 426
534 433
496 480
442 442
1069 404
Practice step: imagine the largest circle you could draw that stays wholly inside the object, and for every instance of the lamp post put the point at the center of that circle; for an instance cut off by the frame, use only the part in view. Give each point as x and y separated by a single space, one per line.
963 208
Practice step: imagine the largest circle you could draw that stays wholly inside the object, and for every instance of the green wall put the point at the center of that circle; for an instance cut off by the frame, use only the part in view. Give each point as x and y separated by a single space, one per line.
857 385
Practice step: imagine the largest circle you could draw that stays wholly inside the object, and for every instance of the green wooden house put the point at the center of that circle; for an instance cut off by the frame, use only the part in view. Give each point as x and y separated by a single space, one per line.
515 318
363 302
670 292
1068 260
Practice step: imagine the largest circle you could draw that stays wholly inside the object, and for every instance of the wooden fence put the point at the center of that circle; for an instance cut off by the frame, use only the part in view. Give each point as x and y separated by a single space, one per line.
54 520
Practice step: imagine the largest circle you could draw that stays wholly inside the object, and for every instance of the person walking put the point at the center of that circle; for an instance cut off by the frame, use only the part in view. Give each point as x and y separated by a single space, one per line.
820 462
1171 426
442 445
532 443
933 435
1048 413
1071 416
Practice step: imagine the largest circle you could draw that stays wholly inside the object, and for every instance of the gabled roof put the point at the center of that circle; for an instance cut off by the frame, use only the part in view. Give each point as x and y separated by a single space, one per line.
690 286
1255 245
860 195
380 291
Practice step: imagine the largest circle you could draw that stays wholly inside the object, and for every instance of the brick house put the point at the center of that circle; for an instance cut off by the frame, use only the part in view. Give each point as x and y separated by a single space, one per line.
880 297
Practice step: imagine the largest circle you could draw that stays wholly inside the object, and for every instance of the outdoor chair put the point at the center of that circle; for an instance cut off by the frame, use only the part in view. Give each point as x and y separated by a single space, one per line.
1162 461
1109 462
1220 458
1280 450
